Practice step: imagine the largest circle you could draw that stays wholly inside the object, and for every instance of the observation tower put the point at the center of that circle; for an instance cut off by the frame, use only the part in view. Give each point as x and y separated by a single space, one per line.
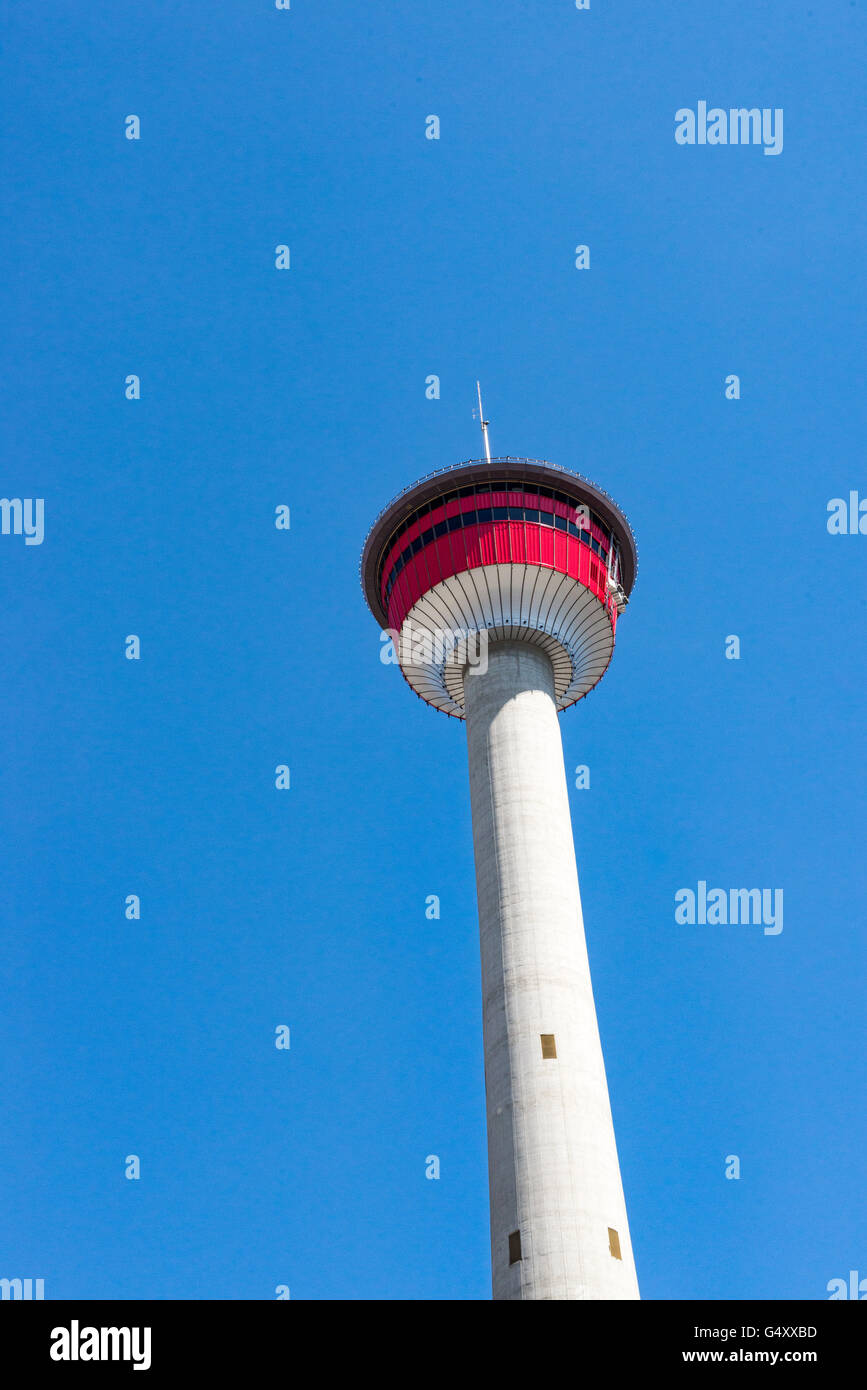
503 580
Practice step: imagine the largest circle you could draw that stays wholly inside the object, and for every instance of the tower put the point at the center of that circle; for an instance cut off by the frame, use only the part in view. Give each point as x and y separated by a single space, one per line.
502 581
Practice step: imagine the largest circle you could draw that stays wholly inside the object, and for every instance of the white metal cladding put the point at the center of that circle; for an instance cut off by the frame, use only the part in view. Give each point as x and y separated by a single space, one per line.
527 602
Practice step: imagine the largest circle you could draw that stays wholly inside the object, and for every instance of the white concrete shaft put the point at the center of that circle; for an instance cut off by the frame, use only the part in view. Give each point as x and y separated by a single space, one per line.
552 1158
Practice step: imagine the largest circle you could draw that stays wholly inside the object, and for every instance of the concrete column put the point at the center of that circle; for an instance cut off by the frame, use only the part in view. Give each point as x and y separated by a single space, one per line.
552 1158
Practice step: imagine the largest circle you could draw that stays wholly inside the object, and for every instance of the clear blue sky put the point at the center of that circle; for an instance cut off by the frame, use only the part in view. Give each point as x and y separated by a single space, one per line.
258 387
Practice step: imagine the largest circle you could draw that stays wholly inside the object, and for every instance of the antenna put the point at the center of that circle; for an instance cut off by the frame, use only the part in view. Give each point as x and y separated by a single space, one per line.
484 423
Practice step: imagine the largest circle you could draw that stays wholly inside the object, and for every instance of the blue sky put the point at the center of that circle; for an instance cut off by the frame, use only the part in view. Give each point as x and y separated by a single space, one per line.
260 907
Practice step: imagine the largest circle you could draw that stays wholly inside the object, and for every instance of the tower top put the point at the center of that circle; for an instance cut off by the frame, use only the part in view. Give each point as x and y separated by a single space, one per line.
511 547
508 469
